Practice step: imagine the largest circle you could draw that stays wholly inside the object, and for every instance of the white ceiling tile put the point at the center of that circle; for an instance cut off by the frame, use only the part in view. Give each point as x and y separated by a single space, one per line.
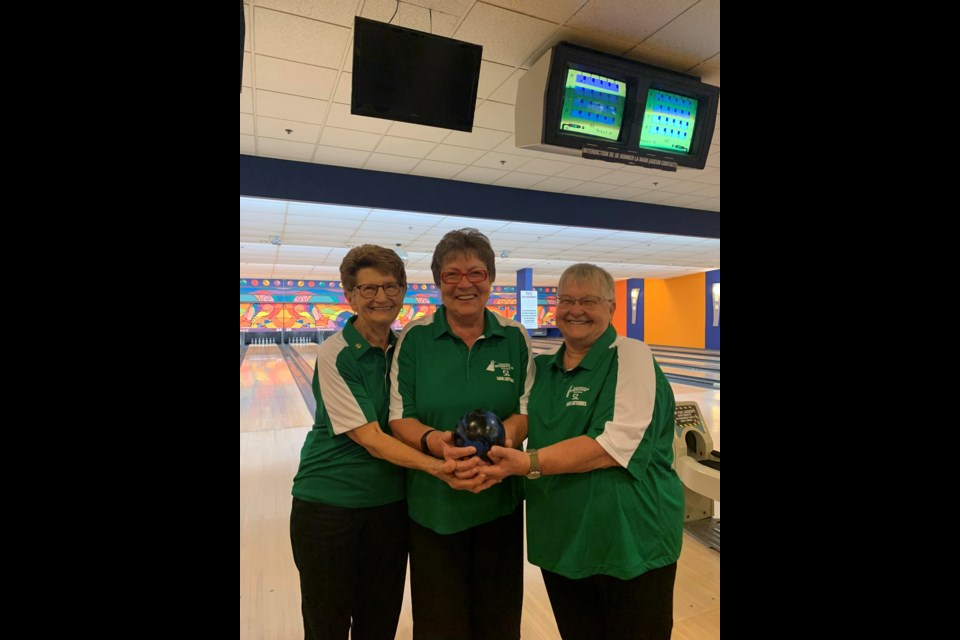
246 30
334 137
294 78
708 175
281 35
344 88
454 7
284 90
246 123
623 19
341 117
417 131
460 155
545 167
665 58
507 92
707 192
508 38
618 177
509 145
519 180
286 107
246 78
333 11
492 75
682 200
405 147
693 33
394 164
653 197
557 184
480 174
284 149
558 11
435 169
275 128
479 138
586 172
623 193
505 161
340 157
494 115
444 24
713 160
590 189
672 186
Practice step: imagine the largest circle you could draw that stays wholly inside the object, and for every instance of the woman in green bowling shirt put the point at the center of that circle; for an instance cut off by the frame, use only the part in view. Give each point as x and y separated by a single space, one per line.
604 505
348 524
466 550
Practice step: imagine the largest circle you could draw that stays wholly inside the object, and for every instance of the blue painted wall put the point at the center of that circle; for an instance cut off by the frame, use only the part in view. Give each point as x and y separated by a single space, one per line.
634 329
712 340
308 182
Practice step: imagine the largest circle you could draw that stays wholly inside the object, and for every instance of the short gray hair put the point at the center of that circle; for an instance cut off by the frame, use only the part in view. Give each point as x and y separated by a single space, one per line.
590 274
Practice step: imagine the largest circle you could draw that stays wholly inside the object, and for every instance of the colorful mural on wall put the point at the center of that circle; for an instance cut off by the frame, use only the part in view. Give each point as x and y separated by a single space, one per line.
293 305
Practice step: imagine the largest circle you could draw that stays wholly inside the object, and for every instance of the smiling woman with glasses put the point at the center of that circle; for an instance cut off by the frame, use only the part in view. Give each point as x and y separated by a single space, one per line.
605 521
348 524
460 358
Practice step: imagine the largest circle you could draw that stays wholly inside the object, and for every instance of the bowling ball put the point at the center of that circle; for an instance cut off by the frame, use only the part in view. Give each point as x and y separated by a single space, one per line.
480 429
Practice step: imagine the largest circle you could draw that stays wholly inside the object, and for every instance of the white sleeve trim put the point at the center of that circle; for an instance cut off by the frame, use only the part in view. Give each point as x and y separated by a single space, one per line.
342 408
635 395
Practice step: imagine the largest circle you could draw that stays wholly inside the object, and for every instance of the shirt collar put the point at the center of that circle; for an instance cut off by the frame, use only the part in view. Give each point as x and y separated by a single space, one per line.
491 327
357 343
596 351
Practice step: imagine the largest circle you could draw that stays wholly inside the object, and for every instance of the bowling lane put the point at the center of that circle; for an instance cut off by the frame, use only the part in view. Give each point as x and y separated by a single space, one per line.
269 398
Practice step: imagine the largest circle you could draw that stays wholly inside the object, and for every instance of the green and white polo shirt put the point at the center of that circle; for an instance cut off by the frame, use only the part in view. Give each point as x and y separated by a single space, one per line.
622 521
352 386
436 379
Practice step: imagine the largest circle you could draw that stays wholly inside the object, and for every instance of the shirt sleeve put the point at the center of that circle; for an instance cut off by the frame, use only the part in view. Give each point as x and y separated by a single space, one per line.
632 402
529 373
338 382
403 382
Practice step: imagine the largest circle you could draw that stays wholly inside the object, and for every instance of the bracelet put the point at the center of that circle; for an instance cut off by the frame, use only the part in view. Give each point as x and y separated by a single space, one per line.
423 441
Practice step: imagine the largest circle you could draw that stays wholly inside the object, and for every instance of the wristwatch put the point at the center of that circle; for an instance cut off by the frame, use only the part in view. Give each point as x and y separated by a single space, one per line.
534 465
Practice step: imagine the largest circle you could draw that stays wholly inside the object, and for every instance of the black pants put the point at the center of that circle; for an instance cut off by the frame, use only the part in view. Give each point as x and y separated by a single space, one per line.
607 608
352 565
468 585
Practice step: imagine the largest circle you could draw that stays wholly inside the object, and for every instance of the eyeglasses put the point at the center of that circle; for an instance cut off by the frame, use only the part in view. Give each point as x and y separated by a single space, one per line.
454 277
369 291
587 302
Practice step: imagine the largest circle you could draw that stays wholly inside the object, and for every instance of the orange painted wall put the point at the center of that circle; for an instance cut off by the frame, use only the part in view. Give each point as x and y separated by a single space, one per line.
674 311
620 313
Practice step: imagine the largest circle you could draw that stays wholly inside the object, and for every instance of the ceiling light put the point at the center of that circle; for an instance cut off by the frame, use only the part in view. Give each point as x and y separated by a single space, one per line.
402 253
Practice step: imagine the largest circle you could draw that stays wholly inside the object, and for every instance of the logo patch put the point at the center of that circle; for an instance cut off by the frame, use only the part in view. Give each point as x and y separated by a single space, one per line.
575 401
505 368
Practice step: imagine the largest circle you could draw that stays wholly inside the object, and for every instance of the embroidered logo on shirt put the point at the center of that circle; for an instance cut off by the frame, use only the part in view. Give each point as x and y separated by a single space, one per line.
505 369
575 392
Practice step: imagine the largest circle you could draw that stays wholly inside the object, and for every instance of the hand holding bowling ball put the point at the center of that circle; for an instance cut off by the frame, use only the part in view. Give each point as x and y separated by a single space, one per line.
480 429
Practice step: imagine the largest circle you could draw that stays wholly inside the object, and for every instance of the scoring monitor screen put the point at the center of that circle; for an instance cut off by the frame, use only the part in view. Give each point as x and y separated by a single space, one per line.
592 105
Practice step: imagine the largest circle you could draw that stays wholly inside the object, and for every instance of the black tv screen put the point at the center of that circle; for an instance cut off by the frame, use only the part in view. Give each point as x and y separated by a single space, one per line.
412 76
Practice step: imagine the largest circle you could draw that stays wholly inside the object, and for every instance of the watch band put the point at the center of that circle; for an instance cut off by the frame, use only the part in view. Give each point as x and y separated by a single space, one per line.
423 441
534 465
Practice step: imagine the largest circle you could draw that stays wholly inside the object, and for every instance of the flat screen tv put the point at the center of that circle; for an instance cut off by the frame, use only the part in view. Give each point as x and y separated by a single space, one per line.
574 100
411 76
